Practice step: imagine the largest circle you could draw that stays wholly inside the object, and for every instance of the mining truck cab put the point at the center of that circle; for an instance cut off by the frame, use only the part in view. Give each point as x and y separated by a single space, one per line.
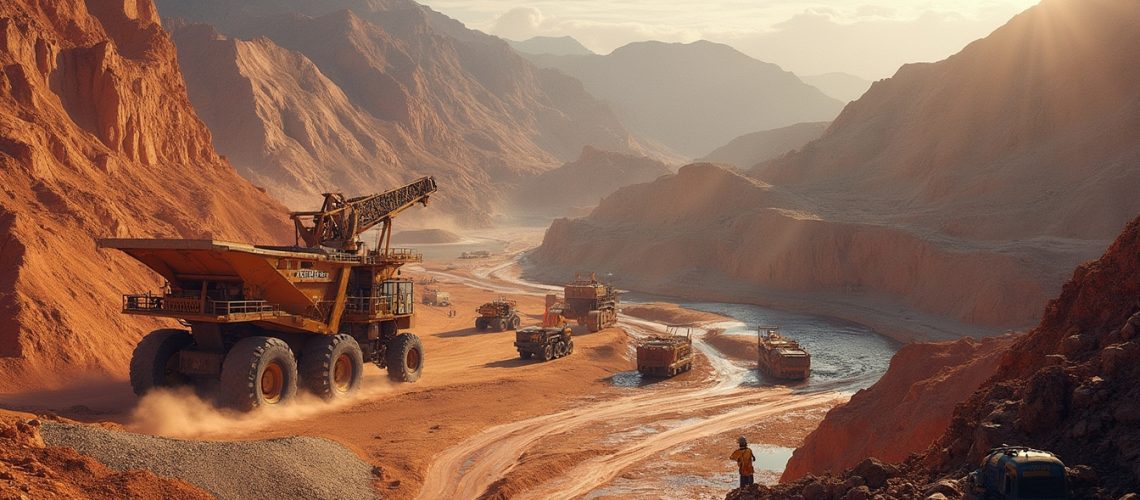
1014 472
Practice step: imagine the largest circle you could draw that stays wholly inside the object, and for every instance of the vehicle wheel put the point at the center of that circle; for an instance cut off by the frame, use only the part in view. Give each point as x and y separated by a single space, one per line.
570 347
559 349
479 325
258 372
154 362
547 353
515 321
405 358
332 366
594 321
525 354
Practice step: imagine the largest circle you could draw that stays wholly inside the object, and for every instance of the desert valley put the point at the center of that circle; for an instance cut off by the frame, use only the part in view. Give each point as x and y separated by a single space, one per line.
545 270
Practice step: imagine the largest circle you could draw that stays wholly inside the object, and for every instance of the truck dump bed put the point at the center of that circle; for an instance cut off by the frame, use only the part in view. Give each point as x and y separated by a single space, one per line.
665 356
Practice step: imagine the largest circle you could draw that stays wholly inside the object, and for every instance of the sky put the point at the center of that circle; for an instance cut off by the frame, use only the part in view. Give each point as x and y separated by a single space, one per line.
866 38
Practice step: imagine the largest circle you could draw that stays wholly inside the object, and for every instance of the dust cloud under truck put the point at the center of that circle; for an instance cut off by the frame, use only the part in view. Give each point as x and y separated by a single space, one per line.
263 320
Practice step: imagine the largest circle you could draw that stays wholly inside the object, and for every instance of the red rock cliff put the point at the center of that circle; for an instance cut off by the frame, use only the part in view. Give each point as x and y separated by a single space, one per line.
97 139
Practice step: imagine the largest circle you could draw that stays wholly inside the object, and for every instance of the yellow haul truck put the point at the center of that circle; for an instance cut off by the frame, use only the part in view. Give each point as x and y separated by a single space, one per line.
263 320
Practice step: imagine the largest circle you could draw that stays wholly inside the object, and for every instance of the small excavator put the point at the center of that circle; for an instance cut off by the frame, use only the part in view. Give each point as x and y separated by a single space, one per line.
261 321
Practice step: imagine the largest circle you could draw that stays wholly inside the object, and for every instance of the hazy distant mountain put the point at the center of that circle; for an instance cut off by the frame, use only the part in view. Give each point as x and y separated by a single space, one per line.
842 86
556 45
355 94
749 149
582 183
967 188
694 97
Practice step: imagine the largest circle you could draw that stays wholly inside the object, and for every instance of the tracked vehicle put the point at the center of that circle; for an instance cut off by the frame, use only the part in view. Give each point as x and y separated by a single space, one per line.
552 339
781 357
666 355
498 315
263 320
591 302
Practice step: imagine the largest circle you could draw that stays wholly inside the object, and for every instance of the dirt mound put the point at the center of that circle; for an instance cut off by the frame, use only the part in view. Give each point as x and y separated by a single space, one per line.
749 239
585 182
302 467
97 139
670 314
1070 386
350 93
31 469
749 149
692 97
921 387
428 236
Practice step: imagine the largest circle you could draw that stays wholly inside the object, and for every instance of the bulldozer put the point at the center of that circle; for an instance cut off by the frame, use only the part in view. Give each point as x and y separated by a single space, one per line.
498 315
591 302
262 321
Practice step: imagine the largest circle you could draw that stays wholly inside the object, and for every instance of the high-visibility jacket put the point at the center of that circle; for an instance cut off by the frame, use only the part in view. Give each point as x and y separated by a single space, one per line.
744 459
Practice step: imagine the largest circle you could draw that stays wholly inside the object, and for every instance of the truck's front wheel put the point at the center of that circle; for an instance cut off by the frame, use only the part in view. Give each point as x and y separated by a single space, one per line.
155 360
258 372
405 358
332 366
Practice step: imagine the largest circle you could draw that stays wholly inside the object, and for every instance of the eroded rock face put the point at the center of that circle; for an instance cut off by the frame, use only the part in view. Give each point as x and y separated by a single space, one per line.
921 387
1081 405
351 95
97 139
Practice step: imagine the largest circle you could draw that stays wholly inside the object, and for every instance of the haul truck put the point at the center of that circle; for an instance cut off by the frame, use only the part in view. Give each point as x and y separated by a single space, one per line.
591 302
262 321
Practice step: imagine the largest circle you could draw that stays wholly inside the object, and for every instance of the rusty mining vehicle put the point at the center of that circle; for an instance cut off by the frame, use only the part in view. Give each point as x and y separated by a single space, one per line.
781 357
552 339
436 297
498 315
591 302
262 320
666 355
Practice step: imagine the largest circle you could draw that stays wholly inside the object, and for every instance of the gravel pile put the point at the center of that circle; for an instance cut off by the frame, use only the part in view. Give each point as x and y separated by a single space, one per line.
295 467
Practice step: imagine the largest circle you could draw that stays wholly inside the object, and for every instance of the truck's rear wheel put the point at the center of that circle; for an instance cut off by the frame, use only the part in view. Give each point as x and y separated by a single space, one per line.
154 362
332 366
258 372
480 325
405 358
525 354
547 353
594 321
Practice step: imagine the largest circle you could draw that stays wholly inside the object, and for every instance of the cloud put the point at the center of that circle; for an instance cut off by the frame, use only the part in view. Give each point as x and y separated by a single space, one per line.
518 23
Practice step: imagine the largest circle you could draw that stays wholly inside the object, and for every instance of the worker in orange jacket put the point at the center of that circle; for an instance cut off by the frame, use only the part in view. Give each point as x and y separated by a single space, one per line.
744 459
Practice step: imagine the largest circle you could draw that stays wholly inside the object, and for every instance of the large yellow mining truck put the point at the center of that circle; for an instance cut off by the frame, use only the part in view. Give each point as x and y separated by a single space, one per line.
262 320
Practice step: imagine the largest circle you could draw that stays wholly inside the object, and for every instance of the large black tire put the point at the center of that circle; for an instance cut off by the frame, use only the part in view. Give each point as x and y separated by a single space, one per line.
154 362
405 358
258 372
515 321
525 354
547 353
569 347
332 366
480 325
559 349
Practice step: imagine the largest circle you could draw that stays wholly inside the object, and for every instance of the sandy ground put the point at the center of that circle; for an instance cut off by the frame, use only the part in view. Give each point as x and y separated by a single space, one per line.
482 422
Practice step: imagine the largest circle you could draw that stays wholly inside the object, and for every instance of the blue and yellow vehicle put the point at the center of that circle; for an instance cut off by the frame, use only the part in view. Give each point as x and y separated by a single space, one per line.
1020 472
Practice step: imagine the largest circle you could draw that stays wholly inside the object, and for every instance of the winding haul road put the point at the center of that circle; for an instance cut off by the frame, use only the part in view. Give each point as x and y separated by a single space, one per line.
470 468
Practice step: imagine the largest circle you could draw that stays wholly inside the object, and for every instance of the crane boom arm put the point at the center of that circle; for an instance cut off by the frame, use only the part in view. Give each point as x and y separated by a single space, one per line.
340 221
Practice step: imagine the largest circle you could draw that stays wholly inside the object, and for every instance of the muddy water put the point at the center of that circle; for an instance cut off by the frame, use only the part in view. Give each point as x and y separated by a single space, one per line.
844 356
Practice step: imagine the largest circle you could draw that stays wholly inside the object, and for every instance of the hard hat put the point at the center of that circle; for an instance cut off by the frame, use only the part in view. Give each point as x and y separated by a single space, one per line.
741 440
